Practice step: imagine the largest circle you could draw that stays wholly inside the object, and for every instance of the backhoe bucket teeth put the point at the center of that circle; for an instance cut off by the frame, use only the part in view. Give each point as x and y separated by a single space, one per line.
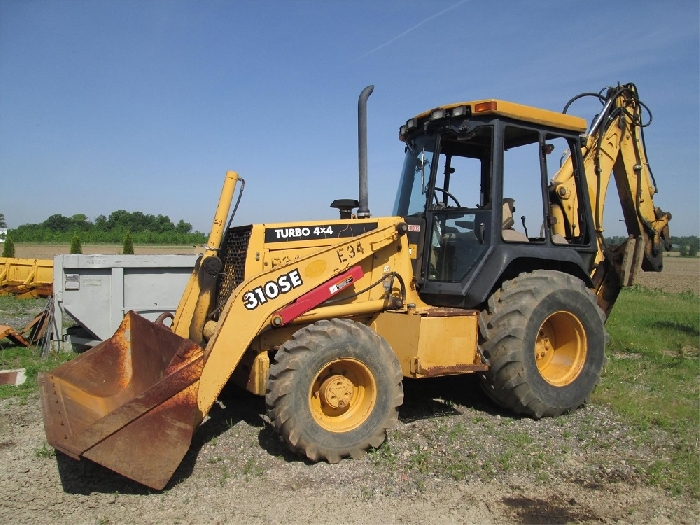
129 404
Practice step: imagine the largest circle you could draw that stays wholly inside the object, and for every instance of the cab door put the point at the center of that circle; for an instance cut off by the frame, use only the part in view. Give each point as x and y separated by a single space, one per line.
458 209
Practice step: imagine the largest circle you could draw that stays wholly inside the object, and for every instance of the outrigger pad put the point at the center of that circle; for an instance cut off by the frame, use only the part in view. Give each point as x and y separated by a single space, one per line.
129 403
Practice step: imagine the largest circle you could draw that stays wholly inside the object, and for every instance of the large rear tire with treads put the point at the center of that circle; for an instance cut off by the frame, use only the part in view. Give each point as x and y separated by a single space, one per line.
544 337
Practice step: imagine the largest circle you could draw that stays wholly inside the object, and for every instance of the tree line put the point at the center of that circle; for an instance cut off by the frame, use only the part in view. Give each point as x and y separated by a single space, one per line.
159 229
687 246
143 229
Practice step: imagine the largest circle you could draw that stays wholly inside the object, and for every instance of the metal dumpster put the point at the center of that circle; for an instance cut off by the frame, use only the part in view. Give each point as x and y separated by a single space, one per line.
98 290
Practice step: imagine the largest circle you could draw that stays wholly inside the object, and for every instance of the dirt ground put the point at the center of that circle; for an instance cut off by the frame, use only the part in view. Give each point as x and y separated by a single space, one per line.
680 274
237 471
47 251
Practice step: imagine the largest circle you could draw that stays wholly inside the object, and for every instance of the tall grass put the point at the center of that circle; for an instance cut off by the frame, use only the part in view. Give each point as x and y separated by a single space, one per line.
652 379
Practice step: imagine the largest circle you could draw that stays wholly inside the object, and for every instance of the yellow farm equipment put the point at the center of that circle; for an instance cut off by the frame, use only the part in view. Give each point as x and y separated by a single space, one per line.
26 277
326 318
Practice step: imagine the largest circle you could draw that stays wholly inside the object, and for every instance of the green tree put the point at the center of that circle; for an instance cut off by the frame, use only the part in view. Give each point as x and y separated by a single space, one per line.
183 227
683 250
101 222
80 221
692 250
58 223
128 246
118 220
144 228
75 244
8 249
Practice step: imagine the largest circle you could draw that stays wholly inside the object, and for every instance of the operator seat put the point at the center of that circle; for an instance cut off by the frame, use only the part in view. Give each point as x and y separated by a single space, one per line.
509 233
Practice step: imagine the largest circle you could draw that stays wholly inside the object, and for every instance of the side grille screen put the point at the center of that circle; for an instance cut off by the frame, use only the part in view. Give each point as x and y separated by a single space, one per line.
233 254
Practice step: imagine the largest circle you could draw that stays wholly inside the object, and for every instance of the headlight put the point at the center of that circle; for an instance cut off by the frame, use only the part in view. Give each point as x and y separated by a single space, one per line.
437 114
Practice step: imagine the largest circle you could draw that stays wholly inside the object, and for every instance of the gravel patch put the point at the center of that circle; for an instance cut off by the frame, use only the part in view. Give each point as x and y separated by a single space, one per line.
452 458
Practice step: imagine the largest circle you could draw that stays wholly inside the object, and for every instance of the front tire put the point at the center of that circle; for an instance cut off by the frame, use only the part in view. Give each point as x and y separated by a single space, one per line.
544 338
334 390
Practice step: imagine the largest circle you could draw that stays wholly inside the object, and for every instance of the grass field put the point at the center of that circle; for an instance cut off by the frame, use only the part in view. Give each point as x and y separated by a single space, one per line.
651 379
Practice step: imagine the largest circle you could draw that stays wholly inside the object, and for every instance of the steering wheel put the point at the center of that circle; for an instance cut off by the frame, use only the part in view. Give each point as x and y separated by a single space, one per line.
448 194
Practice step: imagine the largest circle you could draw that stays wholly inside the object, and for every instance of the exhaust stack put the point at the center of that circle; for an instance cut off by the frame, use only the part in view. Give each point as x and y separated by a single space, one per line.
363 210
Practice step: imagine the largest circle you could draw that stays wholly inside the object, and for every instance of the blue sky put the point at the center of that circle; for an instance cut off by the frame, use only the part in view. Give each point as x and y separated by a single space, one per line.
144 104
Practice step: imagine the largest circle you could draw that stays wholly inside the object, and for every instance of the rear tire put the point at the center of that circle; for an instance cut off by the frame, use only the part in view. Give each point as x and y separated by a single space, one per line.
334 390
544 338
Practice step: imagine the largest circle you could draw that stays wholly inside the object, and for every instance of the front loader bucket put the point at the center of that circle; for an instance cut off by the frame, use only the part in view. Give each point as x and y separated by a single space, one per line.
129 404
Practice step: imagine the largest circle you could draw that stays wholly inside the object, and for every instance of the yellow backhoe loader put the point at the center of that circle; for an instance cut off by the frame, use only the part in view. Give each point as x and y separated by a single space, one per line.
326 318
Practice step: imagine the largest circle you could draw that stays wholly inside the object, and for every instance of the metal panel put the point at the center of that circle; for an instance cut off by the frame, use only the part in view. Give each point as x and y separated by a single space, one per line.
435 342
98 290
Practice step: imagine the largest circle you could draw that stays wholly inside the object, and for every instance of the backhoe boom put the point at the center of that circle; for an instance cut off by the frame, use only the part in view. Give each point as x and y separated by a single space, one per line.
615 149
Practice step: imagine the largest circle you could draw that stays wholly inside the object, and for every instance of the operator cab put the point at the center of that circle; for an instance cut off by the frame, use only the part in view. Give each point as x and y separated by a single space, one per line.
474 191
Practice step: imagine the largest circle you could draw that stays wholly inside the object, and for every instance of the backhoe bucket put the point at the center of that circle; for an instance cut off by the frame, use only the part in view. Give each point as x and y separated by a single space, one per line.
129 404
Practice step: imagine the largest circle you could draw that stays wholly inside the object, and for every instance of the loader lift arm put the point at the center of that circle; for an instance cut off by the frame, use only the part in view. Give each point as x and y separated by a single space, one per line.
254 303
615 148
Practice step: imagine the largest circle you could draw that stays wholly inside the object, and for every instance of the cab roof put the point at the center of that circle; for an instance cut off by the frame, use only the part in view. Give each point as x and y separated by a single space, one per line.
511 110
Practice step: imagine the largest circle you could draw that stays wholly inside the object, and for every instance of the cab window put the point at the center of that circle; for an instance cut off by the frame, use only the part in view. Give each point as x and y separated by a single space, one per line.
463 173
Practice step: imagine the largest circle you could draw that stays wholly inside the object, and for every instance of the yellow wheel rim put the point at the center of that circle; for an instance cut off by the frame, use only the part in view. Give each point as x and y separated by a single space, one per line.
561 348
342 395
